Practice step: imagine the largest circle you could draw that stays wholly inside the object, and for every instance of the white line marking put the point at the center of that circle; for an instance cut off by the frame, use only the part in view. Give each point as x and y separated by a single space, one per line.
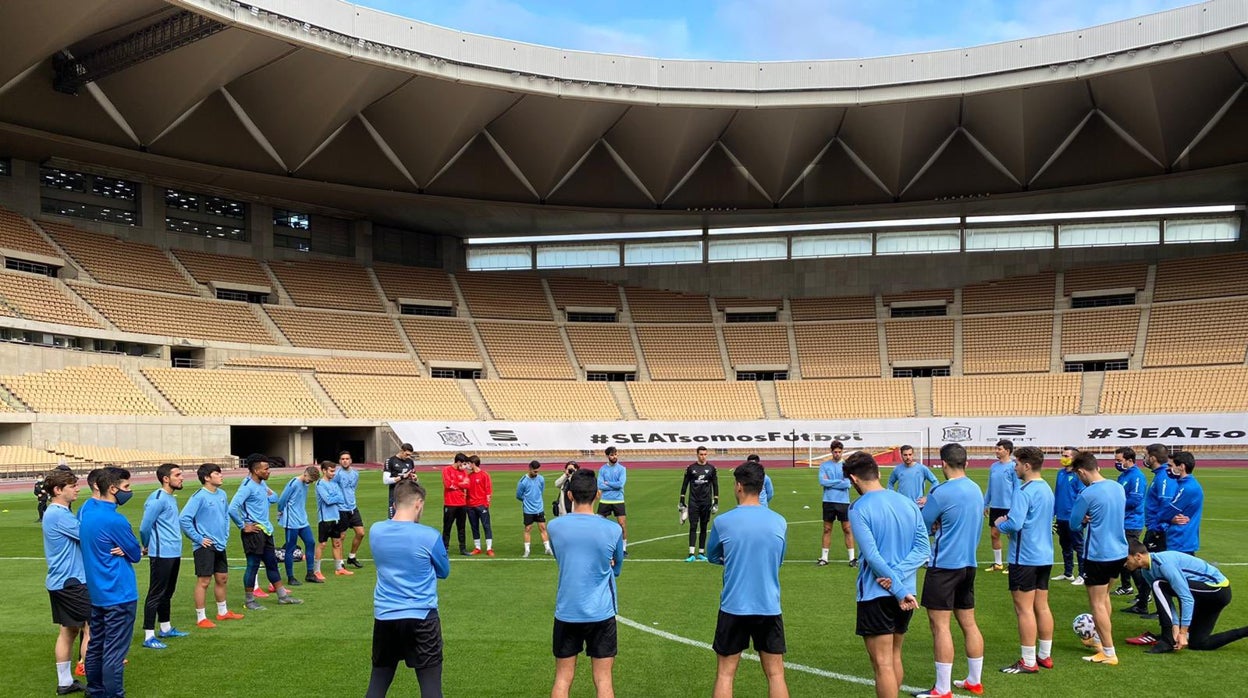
793 666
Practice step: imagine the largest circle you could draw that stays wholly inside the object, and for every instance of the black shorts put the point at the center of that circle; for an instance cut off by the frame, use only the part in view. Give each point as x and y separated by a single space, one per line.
948 590
835 511
995 513
616 509
1030 577
1099 573
597 639
71 604
209 561
882 616
415 641
257 543
326 530
351 519
734 633
530 519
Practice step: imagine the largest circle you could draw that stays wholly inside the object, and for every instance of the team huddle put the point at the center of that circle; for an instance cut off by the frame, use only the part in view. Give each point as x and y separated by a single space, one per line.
891 530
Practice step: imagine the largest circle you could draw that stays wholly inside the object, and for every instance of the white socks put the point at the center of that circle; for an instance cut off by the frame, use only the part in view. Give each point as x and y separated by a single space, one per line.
1029 655
851 554
148 635
489 543
64 676
200 614
166 627
1046 649
1109 651
222 608
823 554
996 557
476 543
338 564
526 548
546 544
974 669
944 674
691 550
316 565
626 545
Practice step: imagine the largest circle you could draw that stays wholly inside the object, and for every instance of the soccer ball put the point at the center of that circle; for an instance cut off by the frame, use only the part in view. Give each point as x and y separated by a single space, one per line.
296 556
1085 627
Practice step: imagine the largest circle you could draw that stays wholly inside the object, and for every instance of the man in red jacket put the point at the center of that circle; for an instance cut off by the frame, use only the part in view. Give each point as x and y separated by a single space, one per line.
455 501
480 491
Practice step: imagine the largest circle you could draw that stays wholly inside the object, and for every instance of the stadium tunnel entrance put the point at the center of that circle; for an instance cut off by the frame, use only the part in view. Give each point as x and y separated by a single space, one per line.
276 442
328 442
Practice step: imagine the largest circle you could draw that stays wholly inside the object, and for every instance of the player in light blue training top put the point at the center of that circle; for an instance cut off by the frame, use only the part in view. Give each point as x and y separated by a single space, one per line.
66 580
1030 528
1202 590
1104 505
749 541
835 505
611 479
590 553
530 490
911 478
161 537
894 546
1002 481
205 522
292 514
410 559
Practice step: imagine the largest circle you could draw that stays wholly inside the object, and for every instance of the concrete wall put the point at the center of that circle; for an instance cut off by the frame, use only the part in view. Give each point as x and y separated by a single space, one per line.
182 436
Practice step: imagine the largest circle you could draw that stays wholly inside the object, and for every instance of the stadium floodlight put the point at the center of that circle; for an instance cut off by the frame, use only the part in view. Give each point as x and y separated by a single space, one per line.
840 225
1123 213
584 237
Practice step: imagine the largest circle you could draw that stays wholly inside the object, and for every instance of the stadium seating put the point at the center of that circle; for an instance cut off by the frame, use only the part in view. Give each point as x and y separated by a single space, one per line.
90 453
931 294
993 396
1190 334
675 352
838 350
843 308
206 268
415 283
226 393
23 459
723 303
523 350
1175 391
173 316
583 293
1007 343
601 344
878 398
98 389
1201 277
36 297
317 283
1014 294
323 329
396 397
656 305
703 401
441 339
111 260
1100 331
755 344
325 364
18 235
549 400
1104 277
919 339
504 296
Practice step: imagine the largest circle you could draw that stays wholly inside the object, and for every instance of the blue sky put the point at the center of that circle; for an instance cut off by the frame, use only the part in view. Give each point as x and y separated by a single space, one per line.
768 29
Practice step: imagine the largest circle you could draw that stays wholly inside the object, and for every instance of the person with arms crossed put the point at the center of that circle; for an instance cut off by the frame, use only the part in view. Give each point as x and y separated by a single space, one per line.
912 478
1001 485
952 515
1031 561
292 515
480 492
1180 518
66 580
398 467
611 478
890 529
835 505
410 559
590 553
455 501
161 537
1065 491
205 522
329 520
110 577
1100 509
1133 486
250 512
348 482
749 541
702 484
531 492
1203 593
1160 492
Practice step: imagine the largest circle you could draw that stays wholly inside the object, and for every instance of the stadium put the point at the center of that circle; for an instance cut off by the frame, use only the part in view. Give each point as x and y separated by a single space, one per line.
303 228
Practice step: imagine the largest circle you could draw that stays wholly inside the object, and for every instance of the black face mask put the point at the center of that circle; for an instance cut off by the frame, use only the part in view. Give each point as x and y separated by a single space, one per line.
123 496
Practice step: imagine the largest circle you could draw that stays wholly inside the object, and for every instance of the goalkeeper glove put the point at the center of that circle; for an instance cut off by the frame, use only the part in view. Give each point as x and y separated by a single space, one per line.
715 507
1055 525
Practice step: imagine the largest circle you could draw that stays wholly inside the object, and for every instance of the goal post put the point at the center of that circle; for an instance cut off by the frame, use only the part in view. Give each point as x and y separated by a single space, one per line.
884 445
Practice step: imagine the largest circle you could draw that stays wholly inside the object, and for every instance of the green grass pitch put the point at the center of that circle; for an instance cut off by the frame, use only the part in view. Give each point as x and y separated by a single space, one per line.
497 613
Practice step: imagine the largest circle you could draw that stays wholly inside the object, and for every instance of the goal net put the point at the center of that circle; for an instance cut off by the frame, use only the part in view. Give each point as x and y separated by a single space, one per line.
885 446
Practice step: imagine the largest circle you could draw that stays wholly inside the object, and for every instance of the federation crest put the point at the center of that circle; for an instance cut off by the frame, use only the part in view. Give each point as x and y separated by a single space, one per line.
955 434
454 437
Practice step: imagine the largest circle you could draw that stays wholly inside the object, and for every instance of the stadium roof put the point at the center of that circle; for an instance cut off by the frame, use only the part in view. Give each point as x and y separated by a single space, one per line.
403 122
